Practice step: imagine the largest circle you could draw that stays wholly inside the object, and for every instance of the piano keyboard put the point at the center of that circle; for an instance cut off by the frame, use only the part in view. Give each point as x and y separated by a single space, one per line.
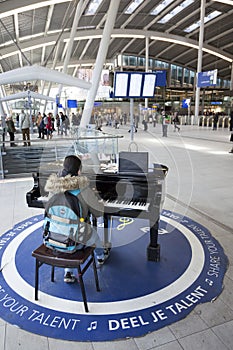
127 204
118 203
43 199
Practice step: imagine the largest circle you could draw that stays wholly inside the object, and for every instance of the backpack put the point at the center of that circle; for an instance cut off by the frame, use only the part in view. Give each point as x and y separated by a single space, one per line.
64 227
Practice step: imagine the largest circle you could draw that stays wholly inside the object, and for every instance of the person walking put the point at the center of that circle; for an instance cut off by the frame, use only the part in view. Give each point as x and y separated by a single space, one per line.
64 123
231 129
176 121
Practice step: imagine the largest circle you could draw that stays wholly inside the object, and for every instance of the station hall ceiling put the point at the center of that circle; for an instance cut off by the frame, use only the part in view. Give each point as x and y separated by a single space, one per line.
36 32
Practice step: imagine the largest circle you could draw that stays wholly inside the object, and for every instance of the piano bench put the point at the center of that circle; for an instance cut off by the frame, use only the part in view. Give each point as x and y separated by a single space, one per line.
83 257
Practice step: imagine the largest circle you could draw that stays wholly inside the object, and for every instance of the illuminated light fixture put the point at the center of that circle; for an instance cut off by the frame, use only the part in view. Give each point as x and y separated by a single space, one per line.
136 36
161 7
86 37
30 37
31 7
133 6
92 8
179 42
86 27
208 18
176 10
227 2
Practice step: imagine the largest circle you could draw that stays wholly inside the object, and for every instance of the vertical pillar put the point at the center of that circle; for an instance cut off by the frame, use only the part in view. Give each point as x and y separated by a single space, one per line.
199 62
231 83
2 109
77 16
101 56
131 120
147 65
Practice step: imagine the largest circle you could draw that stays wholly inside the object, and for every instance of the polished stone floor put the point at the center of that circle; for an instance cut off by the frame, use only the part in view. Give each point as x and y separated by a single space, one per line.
199 185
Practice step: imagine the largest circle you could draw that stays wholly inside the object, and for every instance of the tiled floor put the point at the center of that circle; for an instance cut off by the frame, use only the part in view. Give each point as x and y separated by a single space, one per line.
199 184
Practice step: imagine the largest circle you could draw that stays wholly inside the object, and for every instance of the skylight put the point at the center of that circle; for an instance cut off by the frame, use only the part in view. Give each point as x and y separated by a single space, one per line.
227 2
161 7
208 18
133 6
92 8
176 10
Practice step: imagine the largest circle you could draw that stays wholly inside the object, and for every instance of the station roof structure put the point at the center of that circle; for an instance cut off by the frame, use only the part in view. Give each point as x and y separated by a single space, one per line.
38 32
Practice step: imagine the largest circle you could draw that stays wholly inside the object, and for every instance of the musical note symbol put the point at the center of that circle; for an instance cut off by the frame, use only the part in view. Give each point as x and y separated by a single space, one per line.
126 221
92 326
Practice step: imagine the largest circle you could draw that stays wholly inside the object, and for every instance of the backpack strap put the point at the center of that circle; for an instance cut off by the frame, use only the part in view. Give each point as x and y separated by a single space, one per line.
76 193
60 219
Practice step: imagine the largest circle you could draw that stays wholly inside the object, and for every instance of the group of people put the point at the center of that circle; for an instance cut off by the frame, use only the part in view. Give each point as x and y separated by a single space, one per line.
47 124
23 123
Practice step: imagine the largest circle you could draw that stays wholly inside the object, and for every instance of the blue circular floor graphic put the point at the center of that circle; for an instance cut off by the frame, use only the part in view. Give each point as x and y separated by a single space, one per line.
137 296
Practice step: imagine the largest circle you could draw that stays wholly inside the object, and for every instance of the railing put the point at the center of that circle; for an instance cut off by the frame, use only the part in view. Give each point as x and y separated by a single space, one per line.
20 161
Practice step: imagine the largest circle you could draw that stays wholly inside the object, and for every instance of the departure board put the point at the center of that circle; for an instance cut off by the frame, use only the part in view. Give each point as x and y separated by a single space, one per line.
121 84
149 85
134 84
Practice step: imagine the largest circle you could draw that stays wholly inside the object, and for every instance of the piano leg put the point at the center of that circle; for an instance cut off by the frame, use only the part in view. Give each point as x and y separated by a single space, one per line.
153 249
107 244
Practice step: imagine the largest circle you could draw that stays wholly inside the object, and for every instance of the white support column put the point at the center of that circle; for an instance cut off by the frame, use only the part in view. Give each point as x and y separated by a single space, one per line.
199 62
3 110
231 84
101 56
147 65
77 17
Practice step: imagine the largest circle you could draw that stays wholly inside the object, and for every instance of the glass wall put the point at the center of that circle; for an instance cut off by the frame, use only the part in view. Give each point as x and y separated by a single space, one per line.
179 76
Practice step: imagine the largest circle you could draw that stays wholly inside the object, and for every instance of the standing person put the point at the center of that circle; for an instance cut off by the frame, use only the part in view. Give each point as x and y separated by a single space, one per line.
64 123
164 124
71 180
215 121
11 130
49 126
145 124
39 125
58 124
155 119
17 120
231 129
24 125
3 125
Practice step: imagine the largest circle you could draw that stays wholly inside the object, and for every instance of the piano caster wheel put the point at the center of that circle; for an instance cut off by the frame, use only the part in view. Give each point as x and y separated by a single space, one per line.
153 253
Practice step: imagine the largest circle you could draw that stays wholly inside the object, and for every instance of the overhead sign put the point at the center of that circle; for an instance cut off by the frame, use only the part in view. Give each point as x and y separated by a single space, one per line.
72 104
161 78
134 84
208 78
186 103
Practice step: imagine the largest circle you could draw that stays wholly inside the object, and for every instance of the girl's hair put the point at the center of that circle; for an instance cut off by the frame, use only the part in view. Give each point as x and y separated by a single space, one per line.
72 164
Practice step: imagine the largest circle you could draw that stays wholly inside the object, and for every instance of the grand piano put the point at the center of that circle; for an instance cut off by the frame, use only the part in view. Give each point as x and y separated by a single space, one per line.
124 194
